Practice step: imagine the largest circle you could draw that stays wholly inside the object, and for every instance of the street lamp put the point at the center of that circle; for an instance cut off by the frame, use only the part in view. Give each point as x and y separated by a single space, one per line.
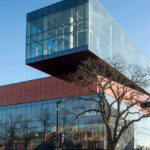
57 127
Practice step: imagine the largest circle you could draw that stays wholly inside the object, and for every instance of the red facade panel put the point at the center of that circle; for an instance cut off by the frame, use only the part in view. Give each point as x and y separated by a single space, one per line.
67 89
43 88
8 93
59 81
22 91
59 90
50 80
37 90
15 94
1 95
51 92
32 90
27 92
47 89
18 93
5 95
12 100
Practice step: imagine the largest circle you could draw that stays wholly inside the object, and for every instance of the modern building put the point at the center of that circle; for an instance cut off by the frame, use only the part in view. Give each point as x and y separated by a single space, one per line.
58 37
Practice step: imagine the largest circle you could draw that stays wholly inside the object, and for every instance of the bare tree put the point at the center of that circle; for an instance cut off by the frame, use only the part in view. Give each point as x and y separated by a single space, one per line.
10 127
123 109
44 118
64 116
27 133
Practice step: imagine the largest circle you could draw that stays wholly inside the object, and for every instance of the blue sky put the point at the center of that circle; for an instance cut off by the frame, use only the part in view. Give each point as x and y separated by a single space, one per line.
132 15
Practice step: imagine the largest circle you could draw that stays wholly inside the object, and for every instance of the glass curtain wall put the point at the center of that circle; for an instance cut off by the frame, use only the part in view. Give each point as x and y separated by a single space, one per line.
107 38
57 28
37 121
28 120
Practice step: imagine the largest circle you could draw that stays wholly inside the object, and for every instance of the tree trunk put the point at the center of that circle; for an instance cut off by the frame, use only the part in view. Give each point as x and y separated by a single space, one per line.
44 135
25 146
44 138
111 146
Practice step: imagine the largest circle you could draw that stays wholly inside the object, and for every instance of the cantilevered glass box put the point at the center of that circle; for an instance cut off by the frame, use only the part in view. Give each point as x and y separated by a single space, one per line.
61 35
56 31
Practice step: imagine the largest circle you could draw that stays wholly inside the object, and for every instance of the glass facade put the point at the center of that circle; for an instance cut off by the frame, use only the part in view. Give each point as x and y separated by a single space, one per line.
55 29
34 119
107 38
71 26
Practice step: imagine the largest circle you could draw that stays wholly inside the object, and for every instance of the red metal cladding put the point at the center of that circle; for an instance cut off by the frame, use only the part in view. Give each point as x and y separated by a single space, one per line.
9 91
36 90
50 80
27 91
5 95
52 92
17 93
59 90
42 89
22 91
33 90
1 96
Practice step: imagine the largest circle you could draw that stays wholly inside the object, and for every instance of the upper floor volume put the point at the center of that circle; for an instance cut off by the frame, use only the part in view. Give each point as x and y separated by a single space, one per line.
59 36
